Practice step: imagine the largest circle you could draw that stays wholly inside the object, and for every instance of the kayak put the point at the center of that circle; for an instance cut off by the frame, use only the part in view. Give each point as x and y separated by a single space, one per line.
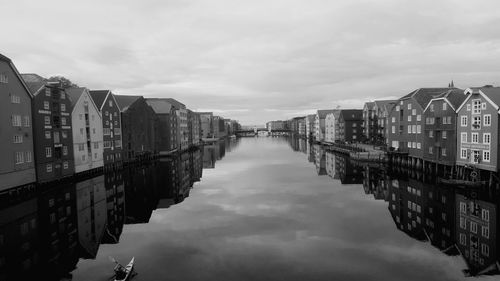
128 271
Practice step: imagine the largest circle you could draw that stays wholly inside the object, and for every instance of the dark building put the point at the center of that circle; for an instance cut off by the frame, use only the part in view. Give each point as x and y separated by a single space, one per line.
350 125
111 124
369 122
166 139
115 205
51 128
139 127
440 127
382 109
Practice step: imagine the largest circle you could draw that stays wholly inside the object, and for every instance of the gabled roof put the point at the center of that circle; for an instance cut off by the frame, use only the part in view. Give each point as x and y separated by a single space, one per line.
74 95
32 77
352 114
99 96
384 103
454 97
423 95
35 87
125 101
160 106
491 94
369 105
177 104
322 113
18 75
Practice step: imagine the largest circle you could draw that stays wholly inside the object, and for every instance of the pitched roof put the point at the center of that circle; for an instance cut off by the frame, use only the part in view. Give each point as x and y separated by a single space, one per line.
74 94
493 94
384 103
32 77
160 106
424 95
323 112
351 114
34 87
455 96
369 105
99 96
125 101
177 104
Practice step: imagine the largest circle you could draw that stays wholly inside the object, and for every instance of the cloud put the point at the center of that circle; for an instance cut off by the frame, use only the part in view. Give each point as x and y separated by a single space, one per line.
293 56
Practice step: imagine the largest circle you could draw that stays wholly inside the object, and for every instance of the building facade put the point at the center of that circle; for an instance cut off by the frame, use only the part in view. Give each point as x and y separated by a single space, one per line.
51 128
477 129
310 125
350 125
87 131
369 122
319 124
17 167
166 138
332 126
111 126
207 128
382 109
139 128
440 116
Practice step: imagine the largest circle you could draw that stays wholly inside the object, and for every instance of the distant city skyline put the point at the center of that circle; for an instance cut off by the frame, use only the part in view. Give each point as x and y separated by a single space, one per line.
258 60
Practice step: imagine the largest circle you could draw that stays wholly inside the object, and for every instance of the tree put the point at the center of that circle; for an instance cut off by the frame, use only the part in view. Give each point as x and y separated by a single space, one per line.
65 82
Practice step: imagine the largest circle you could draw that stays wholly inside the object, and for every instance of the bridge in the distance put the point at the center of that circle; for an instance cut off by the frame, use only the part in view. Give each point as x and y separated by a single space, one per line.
255 131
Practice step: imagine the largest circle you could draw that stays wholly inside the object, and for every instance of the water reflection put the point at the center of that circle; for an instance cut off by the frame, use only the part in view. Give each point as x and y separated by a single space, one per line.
45 235
457 222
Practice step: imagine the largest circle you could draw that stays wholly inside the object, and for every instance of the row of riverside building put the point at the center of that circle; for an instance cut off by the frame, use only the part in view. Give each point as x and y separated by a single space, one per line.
444 127
49 131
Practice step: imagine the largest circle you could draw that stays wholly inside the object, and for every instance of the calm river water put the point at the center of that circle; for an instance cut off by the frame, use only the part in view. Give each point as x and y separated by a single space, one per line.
253 209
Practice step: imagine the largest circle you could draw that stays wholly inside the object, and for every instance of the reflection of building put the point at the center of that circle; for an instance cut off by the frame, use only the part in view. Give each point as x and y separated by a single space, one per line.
19 238
115 204
330 165
209 157
320 160
141 192
348 173
293 141
476 234
91 214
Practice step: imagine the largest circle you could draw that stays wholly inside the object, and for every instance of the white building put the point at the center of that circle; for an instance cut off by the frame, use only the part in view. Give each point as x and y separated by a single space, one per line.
87 130
319 124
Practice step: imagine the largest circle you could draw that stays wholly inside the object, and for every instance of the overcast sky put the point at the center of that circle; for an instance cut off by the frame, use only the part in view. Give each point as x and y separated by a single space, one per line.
256 60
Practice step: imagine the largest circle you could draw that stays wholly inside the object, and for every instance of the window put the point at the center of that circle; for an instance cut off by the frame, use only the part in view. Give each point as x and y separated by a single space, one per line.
463 137
29 157
485 215
48 135
486 155
106 113
81 147
83 158
110 103
463 121
419 145
443 151
487 138
413 112
96 145
445 106
46 105
430 149
463 208
409 129
27 121
444 135
408 144
393 119
475 137
487 120
15 99
463 239
16 120
476 107
393 129
476 122
63 96
409 118
63 121
65 150
483 105
432 107
4 78
95 155
48 152
419 129
81 131
414 129
485 250
80 116
93 131
414 145
409 106
485 231
47 120
64 134
473 227
463 223
49 168
19 157
431 134
63 107
47 92
463 153
65 166
18 139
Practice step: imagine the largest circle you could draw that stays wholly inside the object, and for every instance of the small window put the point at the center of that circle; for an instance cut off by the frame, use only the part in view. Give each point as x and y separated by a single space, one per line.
445 106
393 119
48 152
432 108
419 117
49 168
414 112
487 120
65 150
463 153
486 156
65 165
444 135
47 92
475 138
487 138
47 120
431 149
409 118
110 103
443 151
463 137
483 105
463 121
46 105
63 107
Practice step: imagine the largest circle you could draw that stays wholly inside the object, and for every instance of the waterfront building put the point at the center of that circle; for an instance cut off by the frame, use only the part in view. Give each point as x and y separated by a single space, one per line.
319 124
406 122
182 129
382 109
275 125
476 234
111 126
195 131
207 128
440 138
219 127
350 125
332 126
369 122
17 167
477 129
166 139
139 127
87 130
302 126
51 129
310 125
